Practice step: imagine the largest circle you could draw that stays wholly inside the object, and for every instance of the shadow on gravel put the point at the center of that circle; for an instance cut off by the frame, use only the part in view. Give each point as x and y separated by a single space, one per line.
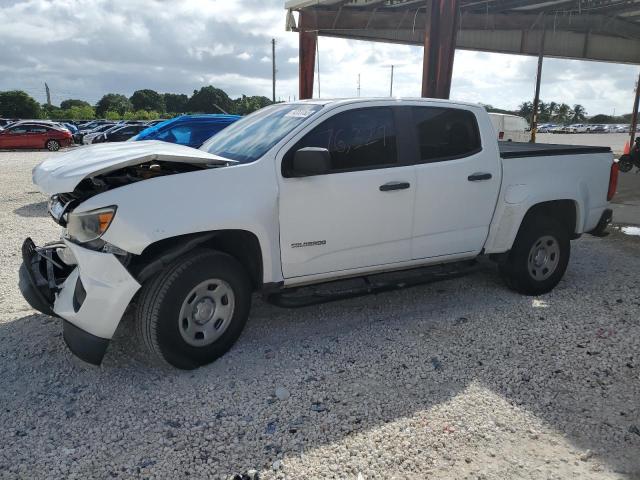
38 209
354 365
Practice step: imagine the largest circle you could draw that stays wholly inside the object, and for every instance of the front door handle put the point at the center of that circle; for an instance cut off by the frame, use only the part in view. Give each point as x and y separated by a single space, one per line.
387 187
476 177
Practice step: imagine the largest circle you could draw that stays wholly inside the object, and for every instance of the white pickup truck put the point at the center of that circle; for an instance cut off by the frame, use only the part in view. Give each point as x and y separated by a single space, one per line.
292 196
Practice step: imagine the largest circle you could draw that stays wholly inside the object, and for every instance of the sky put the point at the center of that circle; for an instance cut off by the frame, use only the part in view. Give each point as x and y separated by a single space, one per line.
86 48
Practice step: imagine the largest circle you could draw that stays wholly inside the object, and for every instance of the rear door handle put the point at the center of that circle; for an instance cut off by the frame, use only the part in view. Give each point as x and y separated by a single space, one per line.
387 187
476 177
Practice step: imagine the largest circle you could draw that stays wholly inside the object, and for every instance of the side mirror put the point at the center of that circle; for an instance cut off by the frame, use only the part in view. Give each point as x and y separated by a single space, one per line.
310 161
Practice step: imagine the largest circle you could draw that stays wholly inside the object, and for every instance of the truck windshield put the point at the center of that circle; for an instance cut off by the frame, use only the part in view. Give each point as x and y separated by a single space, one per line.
250 138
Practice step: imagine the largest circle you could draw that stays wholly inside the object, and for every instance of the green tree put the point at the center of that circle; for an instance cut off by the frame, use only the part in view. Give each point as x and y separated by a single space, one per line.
210 100
602 118
551 111
175 102
18 104
67 104
147 100
579 114
80 113
564 113
543 112
245 105
525 110
51 112
113 102
113 115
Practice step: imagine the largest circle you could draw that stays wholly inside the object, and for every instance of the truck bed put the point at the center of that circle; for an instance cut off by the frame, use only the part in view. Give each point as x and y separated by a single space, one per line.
526 149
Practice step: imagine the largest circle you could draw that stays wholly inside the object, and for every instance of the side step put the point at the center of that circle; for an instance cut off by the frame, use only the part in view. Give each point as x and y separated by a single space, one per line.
371 284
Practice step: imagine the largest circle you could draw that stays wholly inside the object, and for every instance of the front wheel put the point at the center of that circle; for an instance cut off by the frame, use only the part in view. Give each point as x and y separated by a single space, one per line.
539 256
52 145
192 312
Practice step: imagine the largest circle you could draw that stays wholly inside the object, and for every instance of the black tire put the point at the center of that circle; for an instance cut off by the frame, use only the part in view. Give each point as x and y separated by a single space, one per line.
625 164
521 272
52 145
158 321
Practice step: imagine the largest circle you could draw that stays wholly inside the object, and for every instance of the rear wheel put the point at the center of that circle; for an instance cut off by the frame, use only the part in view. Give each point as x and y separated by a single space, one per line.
193 312
52 145
539 256
625 164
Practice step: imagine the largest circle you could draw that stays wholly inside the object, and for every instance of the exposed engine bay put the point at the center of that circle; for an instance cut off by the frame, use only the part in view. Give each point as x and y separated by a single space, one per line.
62 203
124 176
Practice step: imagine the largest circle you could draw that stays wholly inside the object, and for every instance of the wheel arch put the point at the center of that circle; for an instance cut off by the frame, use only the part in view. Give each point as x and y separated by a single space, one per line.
565 211
243 245
510 219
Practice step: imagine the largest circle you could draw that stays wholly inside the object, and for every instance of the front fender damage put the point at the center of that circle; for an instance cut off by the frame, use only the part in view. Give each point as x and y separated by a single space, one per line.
91 300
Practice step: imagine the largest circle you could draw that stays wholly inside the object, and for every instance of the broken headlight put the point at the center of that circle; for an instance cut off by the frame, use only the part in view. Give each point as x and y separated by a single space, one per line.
88 226
58 207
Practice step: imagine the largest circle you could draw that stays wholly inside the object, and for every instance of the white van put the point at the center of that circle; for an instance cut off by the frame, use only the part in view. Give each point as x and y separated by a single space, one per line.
510 128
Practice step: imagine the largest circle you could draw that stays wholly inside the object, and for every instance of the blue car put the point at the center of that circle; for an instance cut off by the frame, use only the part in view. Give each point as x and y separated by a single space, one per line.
71 127
190 130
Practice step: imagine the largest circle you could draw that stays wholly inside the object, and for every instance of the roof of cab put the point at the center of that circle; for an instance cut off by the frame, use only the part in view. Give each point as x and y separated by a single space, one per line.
340 101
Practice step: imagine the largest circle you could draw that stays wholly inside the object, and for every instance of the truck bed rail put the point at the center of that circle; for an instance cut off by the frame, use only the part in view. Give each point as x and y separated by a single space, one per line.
525 149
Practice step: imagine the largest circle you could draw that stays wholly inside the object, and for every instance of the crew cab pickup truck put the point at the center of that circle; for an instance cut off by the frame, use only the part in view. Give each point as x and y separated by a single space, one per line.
298 194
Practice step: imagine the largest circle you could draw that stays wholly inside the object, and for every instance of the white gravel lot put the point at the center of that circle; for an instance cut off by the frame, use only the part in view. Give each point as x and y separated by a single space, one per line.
461 379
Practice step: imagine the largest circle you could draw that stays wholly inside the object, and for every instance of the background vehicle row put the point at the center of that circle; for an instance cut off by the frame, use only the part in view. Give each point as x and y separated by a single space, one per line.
189 130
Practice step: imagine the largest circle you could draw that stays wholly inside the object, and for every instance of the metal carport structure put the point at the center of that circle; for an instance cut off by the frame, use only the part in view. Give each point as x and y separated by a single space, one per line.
601 30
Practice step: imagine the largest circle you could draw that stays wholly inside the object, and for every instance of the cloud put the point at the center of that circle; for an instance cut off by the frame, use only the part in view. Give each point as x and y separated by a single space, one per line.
85 48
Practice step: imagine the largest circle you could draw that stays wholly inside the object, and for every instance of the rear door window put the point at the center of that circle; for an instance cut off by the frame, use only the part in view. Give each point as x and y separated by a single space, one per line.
356 139
445 133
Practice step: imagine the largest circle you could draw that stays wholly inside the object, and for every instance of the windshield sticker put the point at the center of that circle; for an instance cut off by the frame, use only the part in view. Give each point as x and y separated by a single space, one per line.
299 113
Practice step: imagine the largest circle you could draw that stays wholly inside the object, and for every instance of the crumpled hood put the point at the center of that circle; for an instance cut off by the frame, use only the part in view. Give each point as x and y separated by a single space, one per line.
64 171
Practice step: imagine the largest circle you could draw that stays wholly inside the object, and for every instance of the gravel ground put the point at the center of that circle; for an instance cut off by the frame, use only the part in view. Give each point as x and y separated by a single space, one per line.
459 379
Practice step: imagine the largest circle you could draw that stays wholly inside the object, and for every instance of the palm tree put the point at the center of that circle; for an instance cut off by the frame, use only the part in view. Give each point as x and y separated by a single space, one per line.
525 109
579 114
542 112
552 109
563 113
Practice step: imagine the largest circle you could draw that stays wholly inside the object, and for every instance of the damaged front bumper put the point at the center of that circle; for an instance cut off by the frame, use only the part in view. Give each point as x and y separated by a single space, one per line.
90 293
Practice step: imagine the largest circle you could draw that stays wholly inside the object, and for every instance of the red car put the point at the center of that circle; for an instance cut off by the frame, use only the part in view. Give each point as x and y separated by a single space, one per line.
35 135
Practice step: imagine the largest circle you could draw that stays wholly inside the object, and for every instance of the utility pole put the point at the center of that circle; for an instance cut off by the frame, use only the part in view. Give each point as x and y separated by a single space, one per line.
46 87
273 69
634 115
358 84
536 98
318 59
391 88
